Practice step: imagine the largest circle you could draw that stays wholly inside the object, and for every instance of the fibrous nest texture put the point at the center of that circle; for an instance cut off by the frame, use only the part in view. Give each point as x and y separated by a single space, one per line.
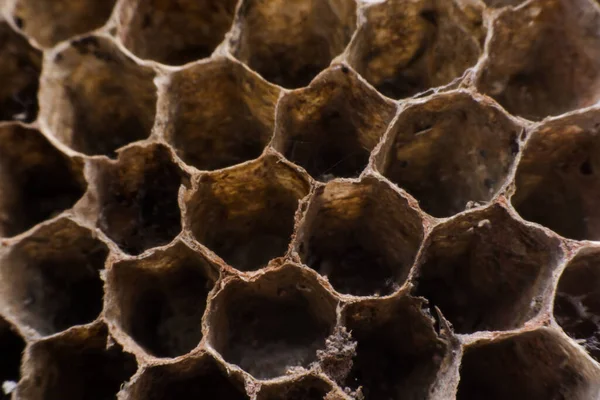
300 199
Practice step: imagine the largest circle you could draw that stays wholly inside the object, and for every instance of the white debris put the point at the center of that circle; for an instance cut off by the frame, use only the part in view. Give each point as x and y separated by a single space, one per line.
9 386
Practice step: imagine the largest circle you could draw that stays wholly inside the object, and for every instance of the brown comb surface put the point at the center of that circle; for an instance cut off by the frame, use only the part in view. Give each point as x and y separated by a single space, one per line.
300 199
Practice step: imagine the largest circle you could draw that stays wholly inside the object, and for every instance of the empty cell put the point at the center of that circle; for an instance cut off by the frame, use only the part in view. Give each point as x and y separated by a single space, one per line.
216 114
309 387
94 98
557 179
289 42
51 21
195 377
50 280
331 127
273 323
544 58
487 271
362 236
159 300
174 32
450 150
399 353
246 214
533 365
577 301
38 181
11 348
82 363
404 47
137 198
20 66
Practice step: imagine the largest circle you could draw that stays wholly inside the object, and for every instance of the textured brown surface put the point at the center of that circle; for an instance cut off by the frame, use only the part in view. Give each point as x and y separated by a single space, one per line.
300 199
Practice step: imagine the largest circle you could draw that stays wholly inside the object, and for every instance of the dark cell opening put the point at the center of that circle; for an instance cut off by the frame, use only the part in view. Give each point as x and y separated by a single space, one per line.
138 195
60 19
544 58
449 151
577 301
246 214
95 98
362 236
174 33
38 181
557 178
160 299
486 271
408 47
11 348
191 379
534 365
76 365
218 114
272 325
399 354
290 42
331 127
20 66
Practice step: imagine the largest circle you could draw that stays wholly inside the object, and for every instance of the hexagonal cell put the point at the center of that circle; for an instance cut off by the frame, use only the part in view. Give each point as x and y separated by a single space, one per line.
577 301
399 353
174 33
363 236
273 323
331 127
404 47
37 180
557 177
50 279
450 150
216 114
196 377
82 363
11 348
309 387
20 66
51 21
246 214
94 98
159 300
534 365
137 197
544 58
290 42
487 271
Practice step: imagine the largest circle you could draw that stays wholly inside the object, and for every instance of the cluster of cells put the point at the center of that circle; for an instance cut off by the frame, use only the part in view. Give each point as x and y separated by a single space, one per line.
299 199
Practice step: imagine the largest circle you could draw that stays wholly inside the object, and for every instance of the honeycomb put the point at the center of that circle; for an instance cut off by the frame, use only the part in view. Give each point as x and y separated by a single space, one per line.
300 199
